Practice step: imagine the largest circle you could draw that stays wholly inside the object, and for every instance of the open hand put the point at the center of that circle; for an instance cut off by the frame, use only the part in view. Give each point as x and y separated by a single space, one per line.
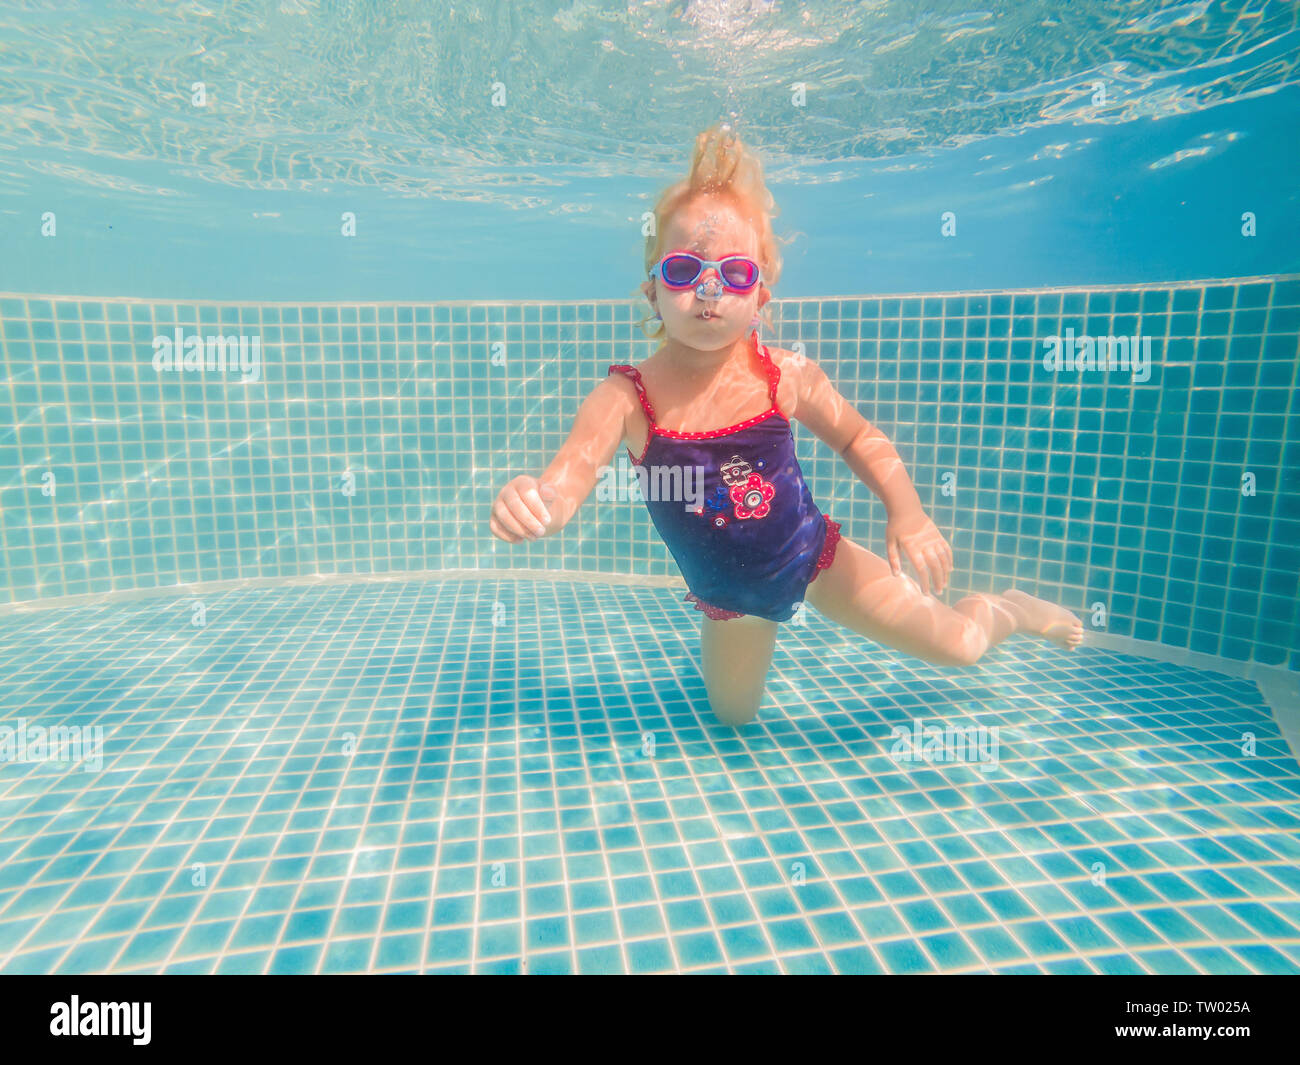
916 535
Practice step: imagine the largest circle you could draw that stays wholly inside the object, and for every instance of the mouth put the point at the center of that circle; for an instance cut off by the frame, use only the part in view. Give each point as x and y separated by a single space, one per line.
708 316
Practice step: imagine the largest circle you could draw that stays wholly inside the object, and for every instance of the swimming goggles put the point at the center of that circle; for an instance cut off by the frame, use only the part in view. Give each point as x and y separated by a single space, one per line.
681 269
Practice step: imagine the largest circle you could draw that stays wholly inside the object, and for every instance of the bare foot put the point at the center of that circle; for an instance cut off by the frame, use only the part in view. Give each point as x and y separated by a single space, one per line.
1045 619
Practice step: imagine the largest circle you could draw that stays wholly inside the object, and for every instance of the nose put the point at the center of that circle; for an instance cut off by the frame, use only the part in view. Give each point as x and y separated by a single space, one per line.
710 285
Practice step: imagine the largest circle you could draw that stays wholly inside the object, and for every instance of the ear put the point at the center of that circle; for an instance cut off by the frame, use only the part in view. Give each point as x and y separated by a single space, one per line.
648 287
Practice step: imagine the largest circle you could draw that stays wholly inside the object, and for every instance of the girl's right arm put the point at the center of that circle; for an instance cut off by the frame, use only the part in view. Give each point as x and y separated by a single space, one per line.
528 508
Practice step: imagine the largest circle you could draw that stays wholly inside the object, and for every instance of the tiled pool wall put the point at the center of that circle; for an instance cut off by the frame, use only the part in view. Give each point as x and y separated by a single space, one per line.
375 437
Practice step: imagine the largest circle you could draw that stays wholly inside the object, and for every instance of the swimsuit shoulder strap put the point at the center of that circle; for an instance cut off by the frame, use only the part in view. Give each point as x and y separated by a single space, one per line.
634 375
773 370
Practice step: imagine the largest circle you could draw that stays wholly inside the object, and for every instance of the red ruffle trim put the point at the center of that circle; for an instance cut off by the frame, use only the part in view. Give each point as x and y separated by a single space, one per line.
828 549
717 613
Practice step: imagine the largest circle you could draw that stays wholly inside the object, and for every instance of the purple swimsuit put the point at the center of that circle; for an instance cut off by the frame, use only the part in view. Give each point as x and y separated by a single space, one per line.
758 539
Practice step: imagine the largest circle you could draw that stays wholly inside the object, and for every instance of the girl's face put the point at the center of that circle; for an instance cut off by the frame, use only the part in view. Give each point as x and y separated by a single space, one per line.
711 229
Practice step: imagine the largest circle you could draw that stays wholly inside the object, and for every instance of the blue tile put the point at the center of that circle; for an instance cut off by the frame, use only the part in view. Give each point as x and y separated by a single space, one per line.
949 951
699 949
595 927
295 960
449 945
994 944
356 919
399 951
650 956
743 942
686 914
600 961
904 956
497 940
791 936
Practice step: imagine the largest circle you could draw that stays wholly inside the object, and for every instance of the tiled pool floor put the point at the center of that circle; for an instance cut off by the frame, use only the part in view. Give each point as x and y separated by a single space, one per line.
507 775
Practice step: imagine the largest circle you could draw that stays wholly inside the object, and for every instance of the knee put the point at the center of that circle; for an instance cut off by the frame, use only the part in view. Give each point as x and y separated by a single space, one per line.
735 712
961 657
965 648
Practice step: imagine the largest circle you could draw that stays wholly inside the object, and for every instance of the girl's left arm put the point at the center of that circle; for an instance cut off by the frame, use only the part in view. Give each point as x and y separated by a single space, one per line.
873 459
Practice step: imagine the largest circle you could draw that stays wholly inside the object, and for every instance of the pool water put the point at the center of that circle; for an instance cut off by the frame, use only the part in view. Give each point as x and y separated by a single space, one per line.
273 698
381 776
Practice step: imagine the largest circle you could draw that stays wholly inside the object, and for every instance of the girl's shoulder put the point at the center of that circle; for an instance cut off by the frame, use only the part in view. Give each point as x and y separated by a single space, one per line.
802 379
785 360
790 366
628 387
625 378
645 373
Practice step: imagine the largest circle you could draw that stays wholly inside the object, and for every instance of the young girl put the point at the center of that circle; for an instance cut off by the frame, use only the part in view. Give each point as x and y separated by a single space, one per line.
714 403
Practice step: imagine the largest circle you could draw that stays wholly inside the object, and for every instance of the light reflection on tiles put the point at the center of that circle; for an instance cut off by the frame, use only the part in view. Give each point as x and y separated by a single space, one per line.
374 777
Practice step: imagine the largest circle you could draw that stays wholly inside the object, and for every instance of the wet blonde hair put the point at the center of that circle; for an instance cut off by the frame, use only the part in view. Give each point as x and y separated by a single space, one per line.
722 167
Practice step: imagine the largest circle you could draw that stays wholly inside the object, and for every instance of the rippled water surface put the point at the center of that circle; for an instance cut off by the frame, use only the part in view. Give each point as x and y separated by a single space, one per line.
477 143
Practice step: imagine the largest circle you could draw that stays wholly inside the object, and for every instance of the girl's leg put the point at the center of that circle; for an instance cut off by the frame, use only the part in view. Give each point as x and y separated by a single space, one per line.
859 592
735 656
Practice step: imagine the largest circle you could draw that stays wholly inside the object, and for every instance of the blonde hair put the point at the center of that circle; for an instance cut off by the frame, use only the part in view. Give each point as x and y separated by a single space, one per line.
721 167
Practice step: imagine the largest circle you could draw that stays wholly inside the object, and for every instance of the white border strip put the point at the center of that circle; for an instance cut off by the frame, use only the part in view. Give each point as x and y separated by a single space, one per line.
63 602
1136 286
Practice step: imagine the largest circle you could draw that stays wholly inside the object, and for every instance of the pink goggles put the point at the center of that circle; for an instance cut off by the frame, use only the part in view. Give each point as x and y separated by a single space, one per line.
681 269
